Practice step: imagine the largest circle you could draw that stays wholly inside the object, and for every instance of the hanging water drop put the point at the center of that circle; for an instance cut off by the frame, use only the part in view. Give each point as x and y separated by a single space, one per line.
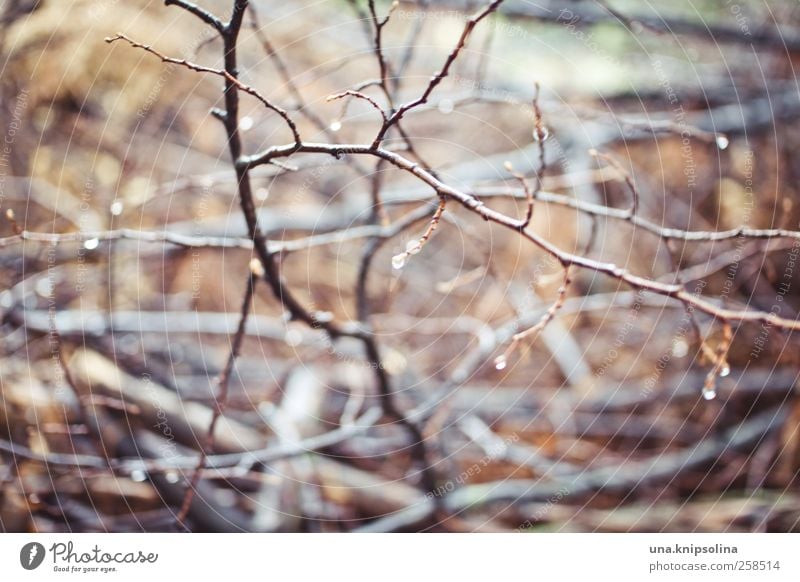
336 125
500 363
722 142
724 371
413 247
709 393
116 208
540 133
399 261
91 243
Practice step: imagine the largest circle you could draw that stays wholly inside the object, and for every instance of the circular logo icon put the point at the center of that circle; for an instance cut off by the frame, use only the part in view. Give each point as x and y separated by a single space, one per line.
31 555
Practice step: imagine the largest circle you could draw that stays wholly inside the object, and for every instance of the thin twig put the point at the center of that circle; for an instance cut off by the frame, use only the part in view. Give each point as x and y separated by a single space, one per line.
229 77
471 23
564 257
220 402
626 176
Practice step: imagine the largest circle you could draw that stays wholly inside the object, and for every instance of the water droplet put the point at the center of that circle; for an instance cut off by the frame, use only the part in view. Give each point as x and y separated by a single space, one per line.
725 371
138 476
394 362
680 348
257 267
500 363
116 208
446 106
413 247
246 123
722 142
709 393
336 125
399 261
262 194
44 287
323 316
91 243
293 336
172 476
540 133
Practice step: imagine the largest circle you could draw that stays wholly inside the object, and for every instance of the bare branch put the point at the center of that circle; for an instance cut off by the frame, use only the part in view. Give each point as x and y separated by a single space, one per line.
256 272
201 13
229 77
472 22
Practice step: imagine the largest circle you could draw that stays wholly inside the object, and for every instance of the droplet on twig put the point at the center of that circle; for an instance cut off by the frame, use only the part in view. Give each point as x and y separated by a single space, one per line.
257 267
500 362
413 247
323 316
399 261
724 371
91 243
540 133
722 142
709 393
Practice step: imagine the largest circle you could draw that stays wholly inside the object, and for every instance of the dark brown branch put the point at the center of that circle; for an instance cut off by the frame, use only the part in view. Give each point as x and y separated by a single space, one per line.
201 13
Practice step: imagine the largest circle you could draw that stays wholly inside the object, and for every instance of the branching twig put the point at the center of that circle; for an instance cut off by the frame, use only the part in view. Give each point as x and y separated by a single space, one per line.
359 95
626 176
229 77
201 13
501 361
415 246
471 23
564 257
